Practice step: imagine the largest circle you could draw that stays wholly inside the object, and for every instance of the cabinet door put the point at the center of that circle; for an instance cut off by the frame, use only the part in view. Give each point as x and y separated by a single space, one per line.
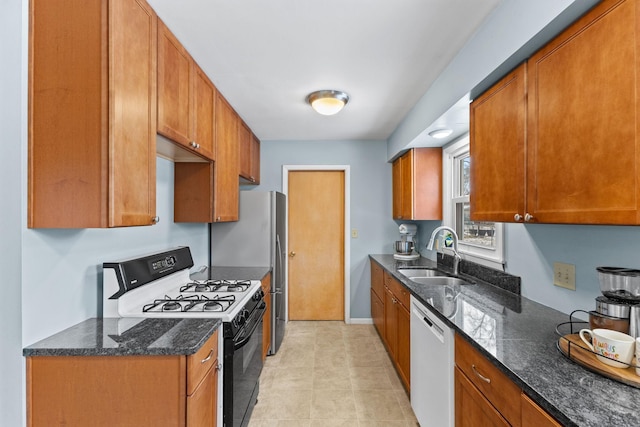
535 416
226 165
377 312
497 144
406 190
193 194
204 99
132 113
175 86
202 404
472 409
582 143
403 359
397 189
255 160
244 150
391 323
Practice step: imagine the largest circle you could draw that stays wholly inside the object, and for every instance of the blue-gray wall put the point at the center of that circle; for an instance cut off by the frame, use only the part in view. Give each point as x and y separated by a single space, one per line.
370 197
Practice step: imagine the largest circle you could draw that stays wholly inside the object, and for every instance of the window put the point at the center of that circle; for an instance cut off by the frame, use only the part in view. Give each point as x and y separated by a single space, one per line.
480 241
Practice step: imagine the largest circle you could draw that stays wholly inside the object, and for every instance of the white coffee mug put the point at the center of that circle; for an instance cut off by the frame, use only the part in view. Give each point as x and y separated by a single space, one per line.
612 348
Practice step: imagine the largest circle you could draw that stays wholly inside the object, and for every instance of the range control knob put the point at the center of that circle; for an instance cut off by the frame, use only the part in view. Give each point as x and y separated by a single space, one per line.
258 295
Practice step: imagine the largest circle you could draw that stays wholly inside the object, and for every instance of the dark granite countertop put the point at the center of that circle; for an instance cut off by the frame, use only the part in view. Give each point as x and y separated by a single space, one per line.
127 337
519 336
138 336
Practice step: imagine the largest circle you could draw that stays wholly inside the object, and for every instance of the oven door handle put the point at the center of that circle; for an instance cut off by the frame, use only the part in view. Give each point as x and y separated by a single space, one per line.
239 344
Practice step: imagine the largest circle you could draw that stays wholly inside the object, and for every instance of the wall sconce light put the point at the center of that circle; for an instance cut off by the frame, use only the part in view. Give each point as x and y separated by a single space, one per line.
327 102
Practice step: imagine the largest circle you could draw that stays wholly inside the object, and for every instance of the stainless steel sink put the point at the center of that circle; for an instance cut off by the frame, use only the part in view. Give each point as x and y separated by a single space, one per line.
421 272
440 280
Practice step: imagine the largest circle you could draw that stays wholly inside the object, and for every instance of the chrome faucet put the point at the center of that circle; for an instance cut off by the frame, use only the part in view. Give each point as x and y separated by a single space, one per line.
456 256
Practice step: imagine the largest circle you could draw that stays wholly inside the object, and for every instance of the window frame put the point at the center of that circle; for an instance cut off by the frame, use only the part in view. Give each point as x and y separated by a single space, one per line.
491 257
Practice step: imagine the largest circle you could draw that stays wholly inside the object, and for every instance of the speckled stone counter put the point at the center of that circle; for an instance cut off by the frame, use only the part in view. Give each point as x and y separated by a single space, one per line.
127 337
519 336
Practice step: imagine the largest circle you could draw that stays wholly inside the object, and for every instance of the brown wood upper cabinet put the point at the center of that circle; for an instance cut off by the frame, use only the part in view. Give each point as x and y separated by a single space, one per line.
186 97
497 144
249 155
417 185
208 192
581 147
92 114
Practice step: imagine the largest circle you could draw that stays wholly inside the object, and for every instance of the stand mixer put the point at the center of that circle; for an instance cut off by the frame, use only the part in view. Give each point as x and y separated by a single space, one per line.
406 246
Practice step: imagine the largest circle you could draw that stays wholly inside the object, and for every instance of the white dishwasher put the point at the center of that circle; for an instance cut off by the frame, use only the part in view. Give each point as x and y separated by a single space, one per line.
432 364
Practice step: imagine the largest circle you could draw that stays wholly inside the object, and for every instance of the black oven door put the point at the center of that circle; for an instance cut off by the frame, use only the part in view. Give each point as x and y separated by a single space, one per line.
242 368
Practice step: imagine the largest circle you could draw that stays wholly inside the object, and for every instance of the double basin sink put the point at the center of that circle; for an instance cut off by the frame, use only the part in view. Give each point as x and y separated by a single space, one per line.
430 276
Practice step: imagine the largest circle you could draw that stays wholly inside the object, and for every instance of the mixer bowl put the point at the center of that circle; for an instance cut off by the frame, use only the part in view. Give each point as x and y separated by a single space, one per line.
403 247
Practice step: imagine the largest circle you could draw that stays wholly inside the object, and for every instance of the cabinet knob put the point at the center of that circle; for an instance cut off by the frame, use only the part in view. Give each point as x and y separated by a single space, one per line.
517 217
155 219
218 219
194 145
292 254
528 217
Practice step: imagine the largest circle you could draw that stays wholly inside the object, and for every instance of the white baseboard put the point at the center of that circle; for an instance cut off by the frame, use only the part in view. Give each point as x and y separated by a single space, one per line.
361 321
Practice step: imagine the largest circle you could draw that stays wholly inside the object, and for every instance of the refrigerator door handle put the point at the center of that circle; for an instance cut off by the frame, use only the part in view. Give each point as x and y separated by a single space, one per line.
279 254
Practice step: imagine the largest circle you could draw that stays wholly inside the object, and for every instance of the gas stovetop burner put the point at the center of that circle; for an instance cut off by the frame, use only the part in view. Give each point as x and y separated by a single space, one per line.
216 286
191 303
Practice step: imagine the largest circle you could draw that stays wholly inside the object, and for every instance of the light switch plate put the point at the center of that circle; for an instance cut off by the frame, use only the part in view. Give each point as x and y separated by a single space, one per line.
354 233
564 275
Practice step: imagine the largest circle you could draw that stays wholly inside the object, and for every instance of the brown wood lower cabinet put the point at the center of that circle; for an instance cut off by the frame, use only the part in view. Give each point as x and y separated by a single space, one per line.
397 327
485 397
472 408
124 390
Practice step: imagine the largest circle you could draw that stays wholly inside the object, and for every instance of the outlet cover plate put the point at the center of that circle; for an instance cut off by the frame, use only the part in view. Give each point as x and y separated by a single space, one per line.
564 275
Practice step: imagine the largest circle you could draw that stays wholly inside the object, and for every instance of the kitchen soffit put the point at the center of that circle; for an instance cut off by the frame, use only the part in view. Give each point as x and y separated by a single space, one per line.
266 56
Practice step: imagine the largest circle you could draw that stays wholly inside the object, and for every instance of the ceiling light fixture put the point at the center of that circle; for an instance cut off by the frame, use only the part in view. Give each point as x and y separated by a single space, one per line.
440 133
327 102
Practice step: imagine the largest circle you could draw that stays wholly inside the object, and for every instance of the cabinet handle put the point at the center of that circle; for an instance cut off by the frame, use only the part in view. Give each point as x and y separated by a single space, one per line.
155 219
219 367
479 375
517 217
528 217
206 359
194 144
218 219
252 179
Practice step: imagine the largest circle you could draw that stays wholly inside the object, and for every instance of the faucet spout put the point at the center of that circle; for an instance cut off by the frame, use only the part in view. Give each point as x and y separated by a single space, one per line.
456 256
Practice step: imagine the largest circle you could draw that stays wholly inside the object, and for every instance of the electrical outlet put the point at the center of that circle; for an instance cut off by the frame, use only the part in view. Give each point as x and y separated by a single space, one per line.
564 275
354 233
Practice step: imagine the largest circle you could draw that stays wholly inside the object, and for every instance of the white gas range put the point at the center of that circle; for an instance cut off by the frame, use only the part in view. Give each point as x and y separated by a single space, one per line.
159 285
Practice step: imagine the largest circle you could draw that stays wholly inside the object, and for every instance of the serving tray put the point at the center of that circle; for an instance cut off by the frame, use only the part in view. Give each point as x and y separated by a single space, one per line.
573 348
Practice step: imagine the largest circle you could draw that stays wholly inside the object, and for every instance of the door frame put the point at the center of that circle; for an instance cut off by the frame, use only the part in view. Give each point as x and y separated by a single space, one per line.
347 226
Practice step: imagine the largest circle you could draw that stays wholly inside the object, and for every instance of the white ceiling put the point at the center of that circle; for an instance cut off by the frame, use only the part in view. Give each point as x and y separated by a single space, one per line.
266 56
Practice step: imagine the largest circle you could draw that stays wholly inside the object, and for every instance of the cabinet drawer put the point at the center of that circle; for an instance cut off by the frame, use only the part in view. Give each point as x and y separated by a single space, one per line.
503 394
398 290
199 363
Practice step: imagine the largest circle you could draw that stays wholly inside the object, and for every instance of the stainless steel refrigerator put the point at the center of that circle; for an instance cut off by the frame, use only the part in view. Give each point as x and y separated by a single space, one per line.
258 239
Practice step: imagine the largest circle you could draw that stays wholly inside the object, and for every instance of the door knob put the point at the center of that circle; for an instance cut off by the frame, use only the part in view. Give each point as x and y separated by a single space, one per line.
292 254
